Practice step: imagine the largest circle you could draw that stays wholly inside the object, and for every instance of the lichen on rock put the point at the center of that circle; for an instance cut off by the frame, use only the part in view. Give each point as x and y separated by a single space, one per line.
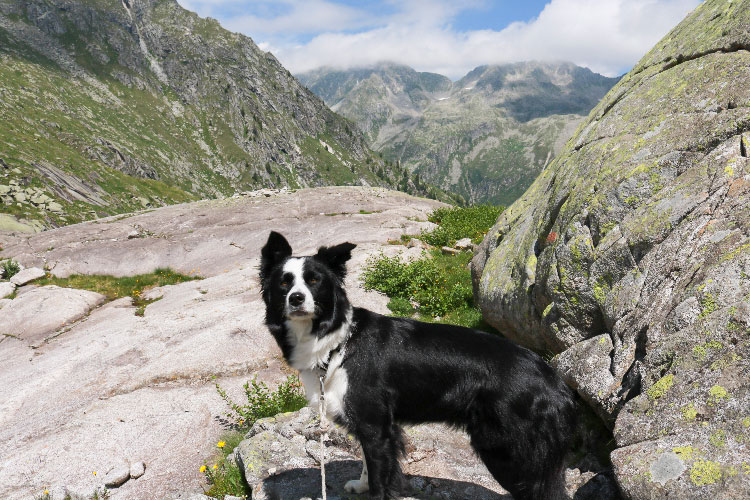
649 207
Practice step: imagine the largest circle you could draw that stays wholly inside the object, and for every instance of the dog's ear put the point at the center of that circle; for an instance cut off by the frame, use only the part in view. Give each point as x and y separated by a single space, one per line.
336 257
276 250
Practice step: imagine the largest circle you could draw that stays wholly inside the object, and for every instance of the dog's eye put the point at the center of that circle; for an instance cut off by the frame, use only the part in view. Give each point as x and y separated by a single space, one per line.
284 284
312 281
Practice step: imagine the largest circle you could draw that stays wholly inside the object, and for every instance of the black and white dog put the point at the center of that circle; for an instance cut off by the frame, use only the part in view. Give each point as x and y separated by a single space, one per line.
380 371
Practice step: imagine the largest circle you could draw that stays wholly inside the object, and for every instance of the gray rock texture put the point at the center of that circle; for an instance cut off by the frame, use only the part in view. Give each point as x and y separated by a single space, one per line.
42 312
26 275
281 458
629 259
113 386
137 470
117 476
6 288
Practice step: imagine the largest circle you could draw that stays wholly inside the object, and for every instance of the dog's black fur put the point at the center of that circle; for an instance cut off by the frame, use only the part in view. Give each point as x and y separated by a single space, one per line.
519 414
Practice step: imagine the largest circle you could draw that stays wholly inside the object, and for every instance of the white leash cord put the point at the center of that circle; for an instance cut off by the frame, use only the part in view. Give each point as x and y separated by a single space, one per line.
323 435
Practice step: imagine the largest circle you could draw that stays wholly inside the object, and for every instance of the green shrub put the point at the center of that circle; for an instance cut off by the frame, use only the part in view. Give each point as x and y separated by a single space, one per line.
262 403
401 306
455 223
438 285
224 477
10 268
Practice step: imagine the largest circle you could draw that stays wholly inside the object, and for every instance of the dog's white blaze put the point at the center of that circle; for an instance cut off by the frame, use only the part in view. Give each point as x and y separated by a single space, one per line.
295 266
335 385
310 351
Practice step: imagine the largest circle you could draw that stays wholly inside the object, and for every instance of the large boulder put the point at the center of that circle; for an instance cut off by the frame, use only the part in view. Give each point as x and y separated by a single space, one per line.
629 260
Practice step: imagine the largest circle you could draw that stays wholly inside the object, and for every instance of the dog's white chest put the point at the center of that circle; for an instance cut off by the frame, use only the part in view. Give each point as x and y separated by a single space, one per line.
335 385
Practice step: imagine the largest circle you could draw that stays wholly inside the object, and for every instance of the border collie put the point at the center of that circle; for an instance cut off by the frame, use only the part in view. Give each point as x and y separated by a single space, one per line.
379 372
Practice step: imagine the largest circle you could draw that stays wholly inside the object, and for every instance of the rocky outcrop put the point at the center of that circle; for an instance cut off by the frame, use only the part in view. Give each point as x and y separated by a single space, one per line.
629 259
85 392
281 459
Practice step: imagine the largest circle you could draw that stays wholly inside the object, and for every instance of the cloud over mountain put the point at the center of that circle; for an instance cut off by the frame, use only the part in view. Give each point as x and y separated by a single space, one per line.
607 36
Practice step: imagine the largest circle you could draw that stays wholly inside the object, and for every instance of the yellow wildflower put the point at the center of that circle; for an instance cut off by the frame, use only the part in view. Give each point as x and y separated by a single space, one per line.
221 444
203 468
215 466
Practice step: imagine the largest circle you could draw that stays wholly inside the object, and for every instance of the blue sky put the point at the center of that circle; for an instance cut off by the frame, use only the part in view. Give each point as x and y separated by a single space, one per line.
450 37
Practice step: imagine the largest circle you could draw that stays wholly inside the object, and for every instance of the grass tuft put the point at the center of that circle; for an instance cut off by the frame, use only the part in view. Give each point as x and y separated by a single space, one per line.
114 288
262 403
455 223
10 268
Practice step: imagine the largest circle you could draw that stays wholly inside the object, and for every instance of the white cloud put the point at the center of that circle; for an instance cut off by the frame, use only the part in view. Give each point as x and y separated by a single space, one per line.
608 36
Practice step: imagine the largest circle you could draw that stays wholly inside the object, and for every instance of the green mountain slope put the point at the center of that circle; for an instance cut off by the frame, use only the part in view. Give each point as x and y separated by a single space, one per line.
486 136
110 106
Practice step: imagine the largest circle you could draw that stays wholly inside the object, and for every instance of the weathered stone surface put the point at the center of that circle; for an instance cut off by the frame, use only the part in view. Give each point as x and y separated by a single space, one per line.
6 288
137 469
189 237
26 275
116 476
464 244
638 235
281 460
42 311
142 388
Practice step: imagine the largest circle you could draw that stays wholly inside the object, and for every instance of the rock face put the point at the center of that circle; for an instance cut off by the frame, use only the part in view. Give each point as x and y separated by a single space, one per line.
38 313
486 136
113 387
629 258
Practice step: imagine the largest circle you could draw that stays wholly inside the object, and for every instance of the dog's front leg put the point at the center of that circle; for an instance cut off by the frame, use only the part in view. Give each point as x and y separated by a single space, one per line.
380 466
362 484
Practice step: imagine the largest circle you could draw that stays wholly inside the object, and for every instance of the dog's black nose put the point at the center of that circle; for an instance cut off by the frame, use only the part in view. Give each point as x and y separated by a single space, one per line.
296 299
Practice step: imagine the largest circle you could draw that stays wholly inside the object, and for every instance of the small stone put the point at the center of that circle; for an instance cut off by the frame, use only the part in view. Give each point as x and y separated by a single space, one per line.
117 476
464 244
27 275
137 470
6 288
55 207
449 251
415 243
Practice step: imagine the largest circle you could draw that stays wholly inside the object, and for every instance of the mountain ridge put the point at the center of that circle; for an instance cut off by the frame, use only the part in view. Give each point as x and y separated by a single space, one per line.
112 107
485 136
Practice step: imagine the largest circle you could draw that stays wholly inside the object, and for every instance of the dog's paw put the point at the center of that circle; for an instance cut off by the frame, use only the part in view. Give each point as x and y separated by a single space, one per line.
356 486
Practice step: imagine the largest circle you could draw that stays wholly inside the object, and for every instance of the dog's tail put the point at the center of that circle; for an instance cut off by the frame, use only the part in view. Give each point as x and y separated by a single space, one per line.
552 486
